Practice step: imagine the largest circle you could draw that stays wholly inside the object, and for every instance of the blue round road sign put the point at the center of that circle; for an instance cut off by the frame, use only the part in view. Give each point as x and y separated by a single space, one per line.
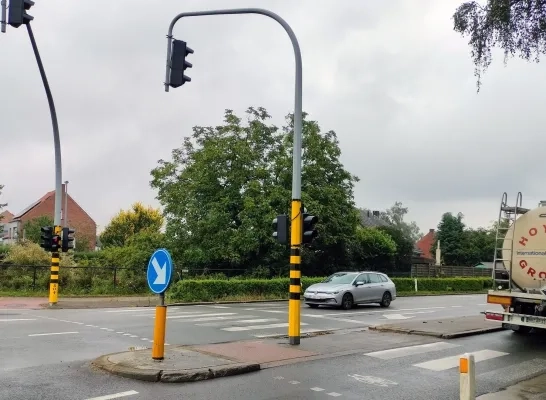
160 270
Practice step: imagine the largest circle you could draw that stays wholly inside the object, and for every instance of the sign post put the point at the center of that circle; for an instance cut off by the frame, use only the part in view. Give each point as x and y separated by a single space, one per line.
159 274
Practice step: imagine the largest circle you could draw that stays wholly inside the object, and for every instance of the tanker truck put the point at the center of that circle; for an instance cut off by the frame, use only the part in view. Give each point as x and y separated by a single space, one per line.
519 267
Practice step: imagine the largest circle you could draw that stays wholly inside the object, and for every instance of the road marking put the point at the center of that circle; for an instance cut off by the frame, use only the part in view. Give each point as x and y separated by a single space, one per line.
256 327
204 305
456 306
294 382
130 310
199 315
115 395
334 394
278 378
144 339
275 311
152 314
17 319
388 311
373 380
52 333
442 364
126 334
355 321
219 318
317 389
410 350
121 333
397 316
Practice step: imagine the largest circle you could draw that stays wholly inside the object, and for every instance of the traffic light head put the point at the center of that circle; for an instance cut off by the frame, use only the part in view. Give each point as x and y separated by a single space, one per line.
46 237
309 231
67 239
17 12
55 243
280 228
179 64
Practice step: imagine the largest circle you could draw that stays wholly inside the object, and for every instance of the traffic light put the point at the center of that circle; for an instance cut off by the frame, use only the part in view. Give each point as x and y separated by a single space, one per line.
17 12
280 227
46 236
309 231
55 243
178 63
68 239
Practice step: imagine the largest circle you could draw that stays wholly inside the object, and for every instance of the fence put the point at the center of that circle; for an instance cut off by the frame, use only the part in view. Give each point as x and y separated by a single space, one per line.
440 271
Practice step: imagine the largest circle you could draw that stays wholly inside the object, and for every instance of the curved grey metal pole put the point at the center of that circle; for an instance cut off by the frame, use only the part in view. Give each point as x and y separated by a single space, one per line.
296 157
56 139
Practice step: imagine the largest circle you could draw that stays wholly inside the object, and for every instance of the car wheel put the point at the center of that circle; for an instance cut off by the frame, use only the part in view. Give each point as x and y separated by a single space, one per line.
313 305
386 300
347 301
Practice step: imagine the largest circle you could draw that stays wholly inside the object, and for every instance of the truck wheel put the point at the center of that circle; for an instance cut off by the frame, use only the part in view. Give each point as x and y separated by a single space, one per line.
521 329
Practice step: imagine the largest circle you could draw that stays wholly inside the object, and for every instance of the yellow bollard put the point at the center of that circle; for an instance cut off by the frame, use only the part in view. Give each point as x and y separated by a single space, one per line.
158 349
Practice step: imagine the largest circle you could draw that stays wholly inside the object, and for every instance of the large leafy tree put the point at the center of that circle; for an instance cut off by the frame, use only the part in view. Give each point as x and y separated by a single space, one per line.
517 26
225 184
395 216
451 235
131 222
32 227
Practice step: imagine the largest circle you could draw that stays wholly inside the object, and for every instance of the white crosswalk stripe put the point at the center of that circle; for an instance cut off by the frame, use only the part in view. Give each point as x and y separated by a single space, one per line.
442 364
256 327
410 350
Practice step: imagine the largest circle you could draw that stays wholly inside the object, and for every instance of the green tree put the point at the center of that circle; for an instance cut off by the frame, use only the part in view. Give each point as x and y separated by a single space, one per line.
225 184
2 205
128 223
395 216
451 234
404 248
514 25
373 248
32 227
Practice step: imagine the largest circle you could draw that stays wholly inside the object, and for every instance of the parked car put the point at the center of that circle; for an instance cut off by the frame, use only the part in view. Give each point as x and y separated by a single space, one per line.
346 289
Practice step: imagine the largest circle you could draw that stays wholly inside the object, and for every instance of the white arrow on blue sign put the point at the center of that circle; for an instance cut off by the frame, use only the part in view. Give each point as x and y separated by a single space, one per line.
160 270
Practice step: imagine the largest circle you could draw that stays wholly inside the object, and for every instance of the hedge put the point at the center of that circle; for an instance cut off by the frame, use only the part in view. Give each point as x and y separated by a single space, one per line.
214 290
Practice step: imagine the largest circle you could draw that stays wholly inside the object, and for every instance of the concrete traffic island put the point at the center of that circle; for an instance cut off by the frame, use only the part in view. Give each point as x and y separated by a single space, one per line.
445 328
196 363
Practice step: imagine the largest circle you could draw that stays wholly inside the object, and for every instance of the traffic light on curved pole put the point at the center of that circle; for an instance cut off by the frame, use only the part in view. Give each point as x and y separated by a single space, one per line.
179 64
17 15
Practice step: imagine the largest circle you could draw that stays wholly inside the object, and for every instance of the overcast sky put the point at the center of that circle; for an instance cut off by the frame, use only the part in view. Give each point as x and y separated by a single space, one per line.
392 78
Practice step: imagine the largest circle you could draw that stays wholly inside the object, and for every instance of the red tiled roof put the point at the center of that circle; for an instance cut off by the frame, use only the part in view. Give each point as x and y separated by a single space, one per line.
426 242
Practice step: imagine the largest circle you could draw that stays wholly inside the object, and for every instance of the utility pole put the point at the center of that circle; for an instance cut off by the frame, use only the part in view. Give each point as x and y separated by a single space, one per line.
177 64
18 16
3 6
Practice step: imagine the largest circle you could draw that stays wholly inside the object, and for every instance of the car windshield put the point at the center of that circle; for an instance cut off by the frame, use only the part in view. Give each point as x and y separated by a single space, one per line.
340 278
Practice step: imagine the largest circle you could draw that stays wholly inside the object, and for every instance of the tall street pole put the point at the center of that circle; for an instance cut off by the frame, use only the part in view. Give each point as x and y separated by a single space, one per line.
296 207
55 258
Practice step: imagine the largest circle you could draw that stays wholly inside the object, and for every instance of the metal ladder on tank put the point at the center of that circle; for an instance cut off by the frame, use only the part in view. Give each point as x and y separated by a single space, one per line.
508 216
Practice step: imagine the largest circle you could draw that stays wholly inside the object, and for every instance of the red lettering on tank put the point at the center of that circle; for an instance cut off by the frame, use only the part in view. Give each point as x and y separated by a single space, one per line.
523 264
523 240
531 271
533 231
542 275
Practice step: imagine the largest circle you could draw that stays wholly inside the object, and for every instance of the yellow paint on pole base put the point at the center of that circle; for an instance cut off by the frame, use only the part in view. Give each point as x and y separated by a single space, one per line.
296 221
54 279
158 349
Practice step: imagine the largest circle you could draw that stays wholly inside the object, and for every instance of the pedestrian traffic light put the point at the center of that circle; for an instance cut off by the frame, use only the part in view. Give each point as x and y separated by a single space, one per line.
309 231
17 12
46 237
55 243
67 239
280 228
179 64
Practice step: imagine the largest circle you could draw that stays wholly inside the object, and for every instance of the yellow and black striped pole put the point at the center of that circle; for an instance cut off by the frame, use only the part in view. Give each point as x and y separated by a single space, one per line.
295 273
54 278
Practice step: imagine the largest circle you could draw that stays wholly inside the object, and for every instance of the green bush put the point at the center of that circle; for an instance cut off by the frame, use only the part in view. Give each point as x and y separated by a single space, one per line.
214 290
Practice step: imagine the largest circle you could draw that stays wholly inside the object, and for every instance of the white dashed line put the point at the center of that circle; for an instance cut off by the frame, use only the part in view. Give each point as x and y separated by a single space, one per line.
317 389
334 394
115 395
16 319
52 333
294 382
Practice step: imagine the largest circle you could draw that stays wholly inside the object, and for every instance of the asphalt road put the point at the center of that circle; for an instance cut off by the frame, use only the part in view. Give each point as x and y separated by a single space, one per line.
45 354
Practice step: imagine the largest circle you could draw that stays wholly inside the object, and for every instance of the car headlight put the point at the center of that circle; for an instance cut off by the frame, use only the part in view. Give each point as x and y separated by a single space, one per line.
332 292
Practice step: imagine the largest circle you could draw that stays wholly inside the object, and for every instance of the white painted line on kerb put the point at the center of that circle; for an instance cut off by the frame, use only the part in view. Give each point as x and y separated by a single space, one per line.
199 315
115 395
410 350
256 327
52 333
17 319
442 364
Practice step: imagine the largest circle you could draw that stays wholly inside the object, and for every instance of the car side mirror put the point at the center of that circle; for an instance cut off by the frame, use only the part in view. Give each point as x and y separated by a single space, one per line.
359 283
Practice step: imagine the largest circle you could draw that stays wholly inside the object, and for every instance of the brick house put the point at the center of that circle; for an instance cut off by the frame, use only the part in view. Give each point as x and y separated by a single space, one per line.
425 244
84 225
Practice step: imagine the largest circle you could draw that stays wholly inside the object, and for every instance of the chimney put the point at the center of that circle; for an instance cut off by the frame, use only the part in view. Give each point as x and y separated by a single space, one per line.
431 231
